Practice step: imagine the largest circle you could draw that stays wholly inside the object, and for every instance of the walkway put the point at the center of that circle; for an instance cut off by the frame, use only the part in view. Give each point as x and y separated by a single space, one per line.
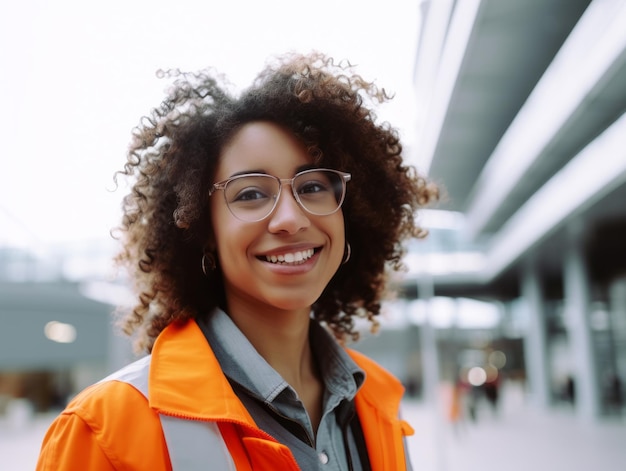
517 438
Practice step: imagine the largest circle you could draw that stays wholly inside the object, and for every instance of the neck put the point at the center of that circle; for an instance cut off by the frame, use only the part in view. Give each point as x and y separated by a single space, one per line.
281 338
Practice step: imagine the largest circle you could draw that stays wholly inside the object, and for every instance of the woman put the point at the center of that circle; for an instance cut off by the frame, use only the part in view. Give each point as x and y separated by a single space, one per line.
258 228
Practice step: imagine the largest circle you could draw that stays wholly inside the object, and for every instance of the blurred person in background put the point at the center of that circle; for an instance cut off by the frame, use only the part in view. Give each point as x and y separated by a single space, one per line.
456 405
569 390
614 394
258 228
492 393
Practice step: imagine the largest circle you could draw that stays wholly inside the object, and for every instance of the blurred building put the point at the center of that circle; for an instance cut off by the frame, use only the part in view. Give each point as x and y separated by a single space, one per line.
56 314
522 123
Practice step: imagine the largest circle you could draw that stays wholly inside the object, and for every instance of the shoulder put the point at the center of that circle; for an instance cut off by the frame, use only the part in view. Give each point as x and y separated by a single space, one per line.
105 398
117 400
120 392
113 409
105 427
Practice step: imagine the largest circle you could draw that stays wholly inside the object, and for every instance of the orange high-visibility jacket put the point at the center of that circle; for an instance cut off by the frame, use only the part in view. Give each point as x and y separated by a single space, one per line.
111 425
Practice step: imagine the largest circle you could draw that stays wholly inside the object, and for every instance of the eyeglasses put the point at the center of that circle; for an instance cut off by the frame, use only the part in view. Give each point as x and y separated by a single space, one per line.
253 196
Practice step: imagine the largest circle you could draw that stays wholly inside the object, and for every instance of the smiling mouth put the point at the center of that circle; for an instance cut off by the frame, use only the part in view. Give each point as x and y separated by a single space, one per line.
291 258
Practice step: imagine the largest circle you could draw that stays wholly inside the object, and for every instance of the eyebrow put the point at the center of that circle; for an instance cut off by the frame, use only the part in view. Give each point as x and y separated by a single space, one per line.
246 172
299 169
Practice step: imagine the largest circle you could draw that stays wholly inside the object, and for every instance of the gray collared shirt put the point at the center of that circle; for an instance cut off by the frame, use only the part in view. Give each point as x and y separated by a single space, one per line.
275 406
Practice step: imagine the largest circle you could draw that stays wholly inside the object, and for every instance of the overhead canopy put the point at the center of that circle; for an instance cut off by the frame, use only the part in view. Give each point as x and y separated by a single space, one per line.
524 127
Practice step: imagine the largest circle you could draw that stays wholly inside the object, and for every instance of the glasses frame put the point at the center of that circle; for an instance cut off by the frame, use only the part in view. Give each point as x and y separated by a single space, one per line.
344 178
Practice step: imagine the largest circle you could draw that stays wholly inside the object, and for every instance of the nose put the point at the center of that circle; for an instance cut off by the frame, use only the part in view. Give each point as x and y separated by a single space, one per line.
288 216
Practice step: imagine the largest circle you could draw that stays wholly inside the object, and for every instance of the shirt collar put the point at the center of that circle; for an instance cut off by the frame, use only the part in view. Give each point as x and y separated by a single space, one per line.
239 360
342 376
242 364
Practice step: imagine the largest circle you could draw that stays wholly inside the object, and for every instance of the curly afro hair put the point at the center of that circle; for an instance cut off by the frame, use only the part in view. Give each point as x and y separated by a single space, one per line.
172 159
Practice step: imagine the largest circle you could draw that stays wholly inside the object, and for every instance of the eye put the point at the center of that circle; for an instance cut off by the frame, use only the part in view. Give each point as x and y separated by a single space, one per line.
251 189
312 186
250 194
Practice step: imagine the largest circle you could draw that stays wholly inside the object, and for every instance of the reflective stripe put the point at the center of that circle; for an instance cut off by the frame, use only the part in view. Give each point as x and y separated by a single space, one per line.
193 445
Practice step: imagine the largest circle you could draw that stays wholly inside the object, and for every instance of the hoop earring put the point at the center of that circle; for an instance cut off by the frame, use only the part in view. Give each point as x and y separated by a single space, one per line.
210 260
347 254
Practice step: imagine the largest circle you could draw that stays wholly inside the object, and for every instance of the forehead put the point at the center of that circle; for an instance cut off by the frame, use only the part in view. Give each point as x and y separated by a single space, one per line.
262 146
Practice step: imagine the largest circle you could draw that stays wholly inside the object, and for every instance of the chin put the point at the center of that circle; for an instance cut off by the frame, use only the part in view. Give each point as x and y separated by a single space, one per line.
293 303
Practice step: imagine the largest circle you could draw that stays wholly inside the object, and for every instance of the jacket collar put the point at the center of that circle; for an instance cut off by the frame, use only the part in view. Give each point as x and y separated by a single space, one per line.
379 381
186 379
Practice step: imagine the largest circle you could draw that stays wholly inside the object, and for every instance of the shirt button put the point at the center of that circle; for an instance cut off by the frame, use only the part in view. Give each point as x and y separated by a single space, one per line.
323 457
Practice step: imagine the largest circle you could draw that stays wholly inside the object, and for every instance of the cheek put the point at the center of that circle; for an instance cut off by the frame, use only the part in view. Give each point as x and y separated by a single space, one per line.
223 229
232 238
232 244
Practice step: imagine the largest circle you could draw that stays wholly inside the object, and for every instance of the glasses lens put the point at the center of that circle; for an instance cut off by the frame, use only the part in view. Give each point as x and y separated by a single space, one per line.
251 198
320 192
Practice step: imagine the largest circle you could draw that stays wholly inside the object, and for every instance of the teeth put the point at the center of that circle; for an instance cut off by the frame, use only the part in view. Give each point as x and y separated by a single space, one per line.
295 257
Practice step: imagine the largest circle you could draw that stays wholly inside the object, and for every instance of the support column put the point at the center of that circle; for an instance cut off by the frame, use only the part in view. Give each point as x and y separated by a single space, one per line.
617 306
430 370
577 297
535 341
